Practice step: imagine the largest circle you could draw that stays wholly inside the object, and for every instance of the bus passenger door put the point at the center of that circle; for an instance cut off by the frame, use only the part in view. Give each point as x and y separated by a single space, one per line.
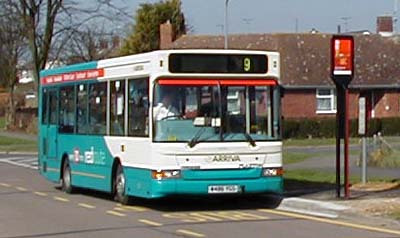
50 163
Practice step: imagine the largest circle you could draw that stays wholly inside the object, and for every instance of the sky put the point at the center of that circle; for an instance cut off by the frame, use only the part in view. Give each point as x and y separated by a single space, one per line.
271 16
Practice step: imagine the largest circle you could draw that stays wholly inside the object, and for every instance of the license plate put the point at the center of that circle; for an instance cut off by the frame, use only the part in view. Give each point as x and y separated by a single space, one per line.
220 189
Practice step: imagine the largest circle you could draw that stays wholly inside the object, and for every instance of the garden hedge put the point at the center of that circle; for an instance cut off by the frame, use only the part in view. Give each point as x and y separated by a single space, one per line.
326 127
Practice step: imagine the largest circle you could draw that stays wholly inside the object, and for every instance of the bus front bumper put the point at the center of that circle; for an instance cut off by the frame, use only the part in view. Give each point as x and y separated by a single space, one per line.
148 187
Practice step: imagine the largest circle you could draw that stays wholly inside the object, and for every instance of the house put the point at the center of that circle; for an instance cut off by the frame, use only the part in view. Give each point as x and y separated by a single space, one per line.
305 69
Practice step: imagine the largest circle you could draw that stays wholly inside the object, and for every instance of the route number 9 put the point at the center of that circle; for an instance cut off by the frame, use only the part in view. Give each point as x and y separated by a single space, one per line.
246 64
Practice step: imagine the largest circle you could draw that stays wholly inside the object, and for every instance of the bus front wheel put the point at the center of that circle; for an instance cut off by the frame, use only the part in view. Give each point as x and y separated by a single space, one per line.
120 186
66 184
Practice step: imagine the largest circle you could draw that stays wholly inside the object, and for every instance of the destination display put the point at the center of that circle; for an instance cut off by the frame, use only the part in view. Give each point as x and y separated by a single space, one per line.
223 64
73 76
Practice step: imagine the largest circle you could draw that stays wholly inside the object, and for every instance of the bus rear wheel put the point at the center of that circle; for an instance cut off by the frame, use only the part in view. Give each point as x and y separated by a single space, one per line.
120 187
66 181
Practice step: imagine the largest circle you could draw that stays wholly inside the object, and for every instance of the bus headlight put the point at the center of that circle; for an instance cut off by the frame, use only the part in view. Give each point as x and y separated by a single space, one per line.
165 174
268 172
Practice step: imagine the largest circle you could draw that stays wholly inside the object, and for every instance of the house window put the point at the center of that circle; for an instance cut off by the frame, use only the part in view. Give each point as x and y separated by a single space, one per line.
326 101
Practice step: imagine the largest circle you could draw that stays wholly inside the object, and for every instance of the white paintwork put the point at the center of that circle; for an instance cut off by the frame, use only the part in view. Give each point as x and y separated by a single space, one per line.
142 153
124 67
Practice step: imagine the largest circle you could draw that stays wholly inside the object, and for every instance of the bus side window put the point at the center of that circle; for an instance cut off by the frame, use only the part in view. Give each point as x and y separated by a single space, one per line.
67 110
45 110
97 108
53 107
117 102
82 109
138 108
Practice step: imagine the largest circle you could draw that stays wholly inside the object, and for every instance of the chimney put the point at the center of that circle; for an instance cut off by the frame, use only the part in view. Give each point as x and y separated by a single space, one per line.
384 26
116 42
103 44
167 35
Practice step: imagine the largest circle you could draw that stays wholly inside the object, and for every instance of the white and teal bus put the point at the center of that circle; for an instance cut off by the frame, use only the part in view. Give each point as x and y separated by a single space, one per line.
176 122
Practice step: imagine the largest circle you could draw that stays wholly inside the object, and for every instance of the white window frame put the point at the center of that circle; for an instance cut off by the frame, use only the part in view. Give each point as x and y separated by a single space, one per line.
331 96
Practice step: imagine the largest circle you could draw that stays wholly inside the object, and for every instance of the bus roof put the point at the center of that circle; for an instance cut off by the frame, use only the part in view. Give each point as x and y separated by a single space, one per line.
138 64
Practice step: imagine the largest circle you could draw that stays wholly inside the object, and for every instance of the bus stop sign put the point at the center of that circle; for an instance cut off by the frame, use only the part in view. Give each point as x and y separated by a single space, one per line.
342 59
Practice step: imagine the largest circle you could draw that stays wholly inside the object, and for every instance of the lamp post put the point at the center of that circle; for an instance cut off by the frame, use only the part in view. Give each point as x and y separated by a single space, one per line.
226 23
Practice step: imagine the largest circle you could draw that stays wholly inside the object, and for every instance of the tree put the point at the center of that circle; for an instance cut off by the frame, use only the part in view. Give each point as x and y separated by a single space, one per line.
91 43
39 32
146 34
12 47
46 20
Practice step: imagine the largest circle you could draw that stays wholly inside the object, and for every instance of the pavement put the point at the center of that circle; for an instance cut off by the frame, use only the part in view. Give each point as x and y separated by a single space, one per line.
19 135
365 207
320 199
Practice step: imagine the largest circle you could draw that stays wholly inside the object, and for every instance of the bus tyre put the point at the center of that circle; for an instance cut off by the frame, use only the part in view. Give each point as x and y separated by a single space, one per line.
120 186
66 184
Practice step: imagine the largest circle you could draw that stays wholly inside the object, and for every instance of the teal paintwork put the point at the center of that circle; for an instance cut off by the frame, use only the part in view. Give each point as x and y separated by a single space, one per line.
50 147
249 173
96 173
69 68
196 182
93 169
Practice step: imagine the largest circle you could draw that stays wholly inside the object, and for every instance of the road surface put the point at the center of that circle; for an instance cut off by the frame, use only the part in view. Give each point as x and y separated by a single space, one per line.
32 207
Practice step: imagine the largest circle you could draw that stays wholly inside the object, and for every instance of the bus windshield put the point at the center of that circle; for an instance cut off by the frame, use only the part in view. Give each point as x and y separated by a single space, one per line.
215 112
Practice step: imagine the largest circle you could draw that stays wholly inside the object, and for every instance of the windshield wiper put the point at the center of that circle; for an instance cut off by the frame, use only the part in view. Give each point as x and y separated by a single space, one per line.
196 137
249 139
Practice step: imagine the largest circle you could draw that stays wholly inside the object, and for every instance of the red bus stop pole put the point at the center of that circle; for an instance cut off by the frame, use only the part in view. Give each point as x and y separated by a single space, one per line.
339 107
346 146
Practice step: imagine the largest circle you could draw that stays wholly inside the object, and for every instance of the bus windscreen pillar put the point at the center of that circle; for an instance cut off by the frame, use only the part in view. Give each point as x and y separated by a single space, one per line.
342 71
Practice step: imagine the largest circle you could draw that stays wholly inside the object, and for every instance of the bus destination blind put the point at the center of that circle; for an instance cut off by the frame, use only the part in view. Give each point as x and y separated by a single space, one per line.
213 63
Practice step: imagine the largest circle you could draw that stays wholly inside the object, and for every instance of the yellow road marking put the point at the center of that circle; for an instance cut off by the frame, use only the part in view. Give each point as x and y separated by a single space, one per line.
215 216
41 194
131 208
324 220
21 189
151 223
118 214
61 199
190 233
119 209
5 185
85 205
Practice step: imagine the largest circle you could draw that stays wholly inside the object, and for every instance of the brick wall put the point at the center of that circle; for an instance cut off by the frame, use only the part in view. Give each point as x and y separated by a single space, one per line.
299 104
303 103
387 103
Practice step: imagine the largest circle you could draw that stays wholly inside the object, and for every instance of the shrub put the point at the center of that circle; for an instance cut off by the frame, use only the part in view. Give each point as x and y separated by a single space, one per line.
390 126
326 127
290 128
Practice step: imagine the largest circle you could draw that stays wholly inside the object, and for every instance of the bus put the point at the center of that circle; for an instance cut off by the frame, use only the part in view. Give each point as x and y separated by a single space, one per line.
163 123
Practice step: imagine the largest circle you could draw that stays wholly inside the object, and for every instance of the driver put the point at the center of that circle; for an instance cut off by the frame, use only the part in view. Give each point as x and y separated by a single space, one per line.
164 108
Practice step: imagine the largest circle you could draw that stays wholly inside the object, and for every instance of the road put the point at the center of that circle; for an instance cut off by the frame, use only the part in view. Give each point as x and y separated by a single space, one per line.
324 159
32 207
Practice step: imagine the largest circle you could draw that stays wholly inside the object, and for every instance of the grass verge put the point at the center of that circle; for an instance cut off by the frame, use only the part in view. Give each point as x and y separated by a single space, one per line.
2 123
9 144
315 142
291 157
315 176
382 159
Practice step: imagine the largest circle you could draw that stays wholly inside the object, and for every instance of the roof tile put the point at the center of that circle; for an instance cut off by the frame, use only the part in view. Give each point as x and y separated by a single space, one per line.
305 58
